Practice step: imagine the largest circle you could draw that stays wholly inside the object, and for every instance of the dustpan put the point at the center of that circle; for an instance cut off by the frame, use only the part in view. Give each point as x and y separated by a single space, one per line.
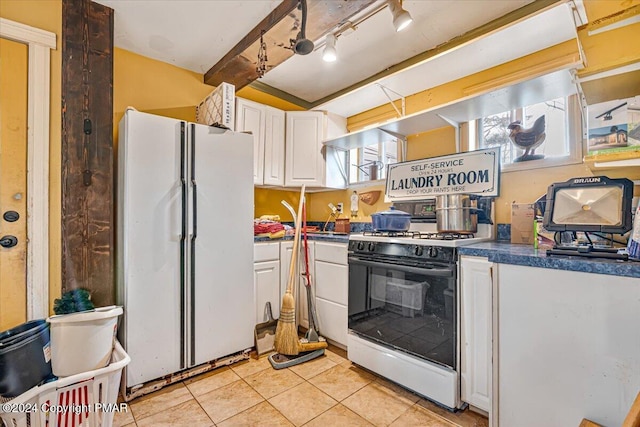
265 333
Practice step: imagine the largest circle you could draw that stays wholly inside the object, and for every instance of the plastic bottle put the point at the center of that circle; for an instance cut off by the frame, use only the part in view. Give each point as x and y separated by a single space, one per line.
354 204
633 246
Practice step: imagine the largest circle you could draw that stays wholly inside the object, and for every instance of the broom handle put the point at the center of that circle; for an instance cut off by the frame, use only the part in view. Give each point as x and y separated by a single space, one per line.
296 243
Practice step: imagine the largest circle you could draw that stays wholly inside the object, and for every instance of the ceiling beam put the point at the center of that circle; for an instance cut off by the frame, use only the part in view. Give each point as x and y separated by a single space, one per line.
238 66
215 75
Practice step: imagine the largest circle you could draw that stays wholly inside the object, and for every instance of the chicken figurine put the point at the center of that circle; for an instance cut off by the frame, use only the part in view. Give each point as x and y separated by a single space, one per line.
528 139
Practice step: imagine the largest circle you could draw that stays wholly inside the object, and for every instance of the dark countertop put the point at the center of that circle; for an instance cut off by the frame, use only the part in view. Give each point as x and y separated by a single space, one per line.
328 237
507 253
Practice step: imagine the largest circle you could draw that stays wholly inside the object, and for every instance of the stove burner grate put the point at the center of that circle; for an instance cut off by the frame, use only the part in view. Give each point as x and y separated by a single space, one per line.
391 233
443 236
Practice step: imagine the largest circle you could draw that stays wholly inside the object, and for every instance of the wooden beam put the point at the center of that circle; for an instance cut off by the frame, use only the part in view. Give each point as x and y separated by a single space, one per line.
238 66
87 150
276 15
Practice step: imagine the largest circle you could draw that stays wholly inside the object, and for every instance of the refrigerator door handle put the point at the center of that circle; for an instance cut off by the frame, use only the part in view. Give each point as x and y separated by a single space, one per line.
183 278
194 235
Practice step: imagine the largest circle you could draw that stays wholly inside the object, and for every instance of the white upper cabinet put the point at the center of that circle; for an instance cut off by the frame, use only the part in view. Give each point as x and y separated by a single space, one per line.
307 162
267 126
250 118
274 147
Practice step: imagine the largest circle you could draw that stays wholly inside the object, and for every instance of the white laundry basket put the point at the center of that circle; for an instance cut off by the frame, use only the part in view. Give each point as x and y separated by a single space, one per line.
88 399
83 341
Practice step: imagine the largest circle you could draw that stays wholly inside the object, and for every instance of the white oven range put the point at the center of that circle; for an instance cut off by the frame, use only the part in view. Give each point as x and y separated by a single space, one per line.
403 308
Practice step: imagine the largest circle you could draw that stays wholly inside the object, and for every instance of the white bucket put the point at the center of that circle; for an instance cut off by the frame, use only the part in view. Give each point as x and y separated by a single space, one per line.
83 341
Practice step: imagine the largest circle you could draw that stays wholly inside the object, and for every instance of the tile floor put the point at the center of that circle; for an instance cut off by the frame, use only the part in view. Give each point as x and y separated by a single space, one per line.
328 391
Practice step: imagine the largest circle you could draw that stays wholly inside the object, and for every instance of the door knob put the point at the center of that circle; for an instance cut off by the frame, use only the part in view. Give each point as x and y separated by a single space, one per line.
8 241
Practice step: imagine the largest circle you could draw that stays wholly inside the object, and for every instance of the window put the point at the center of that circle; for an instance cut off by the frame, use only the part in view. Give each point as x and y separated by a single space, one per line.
561 144
370 163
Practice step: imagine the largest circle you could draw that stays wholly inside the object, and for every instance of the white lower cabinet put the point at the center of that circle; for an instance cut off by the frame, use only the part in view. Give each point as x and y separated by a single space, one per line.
329 277
286 248
331 284
332 319
569 347
266 279
476 338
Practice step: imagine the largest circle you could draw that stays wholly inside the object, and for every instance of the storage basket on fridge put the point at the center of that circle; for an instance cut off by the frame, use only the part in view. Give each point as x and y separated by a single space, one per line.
91 397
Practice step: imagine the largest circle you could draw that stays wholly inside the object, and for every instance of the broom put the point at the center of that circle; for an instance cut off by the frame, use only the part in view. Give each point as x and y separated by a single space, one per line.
286 340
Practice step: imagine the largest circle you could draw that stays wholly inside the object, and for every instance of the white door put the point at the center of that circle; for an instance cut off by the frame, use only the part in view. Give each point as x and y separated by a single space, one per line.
222 319
150 248
304 157
250 118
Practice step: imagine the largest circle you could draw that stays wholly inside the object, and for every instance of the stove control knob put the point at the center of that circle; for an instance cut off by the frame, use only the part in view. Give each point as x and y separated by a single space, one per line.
360 246
418 251
433 252
372 247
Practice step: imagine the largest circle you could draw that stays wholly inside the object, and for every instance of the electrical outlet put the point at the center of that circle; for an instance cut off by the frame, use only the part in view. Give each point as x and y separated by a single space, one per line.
339 207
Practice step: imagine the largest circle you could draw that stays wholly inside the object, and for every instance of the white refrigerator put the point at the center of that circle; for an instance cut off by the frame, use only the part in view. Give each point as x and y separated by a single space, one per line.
184 244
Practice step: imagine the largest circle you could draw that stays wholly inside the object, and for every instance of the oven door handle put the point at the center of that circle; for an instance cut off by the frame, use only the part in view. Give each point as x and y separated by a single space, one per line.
436 272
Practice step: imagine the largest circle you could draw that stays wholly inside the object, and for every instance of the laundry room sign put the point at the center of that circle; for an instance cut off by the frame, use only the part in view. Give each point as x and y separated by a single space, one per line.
474 172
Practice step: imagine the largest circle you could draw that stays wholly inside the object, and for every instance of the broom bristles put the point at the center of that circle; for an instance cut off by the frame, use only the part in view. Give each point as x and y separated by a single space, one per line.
286 340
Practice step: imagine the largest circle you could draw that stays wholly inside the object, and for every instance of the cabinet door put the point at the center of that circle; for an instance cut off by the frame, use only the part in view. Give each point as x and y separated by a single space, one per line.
332 320
303 302
476 290
331 282
300 292
274 147
266 282
304 157
250 118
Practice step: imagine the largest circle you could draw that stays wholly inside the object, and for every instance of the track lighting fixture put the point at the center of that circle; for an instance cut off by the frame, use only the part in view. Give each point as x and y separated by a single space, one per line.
329 54
401 18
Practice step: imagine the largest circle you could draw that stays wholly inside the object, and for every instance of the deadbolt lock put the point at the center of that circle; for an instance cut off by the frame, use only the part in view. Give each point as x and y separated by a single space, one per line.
8 241
11 216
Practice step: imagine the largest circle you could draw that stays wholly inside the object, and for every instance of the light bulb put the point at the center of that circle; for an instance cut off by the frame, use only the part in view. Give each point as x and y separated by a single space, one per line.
330 54
401 18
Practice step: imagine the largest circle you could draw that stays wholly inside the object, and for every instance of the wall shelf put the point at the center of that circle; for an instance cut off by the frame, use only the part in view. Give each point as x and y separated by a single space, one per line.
538 89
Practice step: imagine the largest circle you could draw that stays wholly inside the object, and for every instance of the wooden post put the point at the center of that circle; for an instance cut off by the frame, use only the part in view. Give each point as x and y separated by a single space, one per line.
87 150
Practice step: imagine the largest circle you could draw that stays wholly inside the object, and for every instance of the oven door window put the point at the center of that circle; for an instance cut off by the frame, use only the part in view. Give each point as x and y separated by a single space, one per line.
405 308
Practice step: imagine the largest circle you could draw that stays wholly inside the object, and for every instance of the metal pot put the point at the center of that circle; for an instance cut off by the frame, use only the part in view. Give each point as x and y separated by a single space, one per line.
456 213
391 220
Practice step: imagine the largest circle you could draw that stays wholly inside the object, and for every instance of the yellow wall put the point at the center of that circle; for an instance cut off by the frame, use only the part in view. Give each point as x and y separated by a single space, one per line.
438 142
319 209
267 202
159 88
47 15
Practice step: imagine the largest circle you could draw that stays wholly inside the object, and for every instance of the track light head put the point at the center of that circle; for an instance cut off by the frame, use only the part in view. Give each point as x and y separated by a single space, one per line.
401 18
330 54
